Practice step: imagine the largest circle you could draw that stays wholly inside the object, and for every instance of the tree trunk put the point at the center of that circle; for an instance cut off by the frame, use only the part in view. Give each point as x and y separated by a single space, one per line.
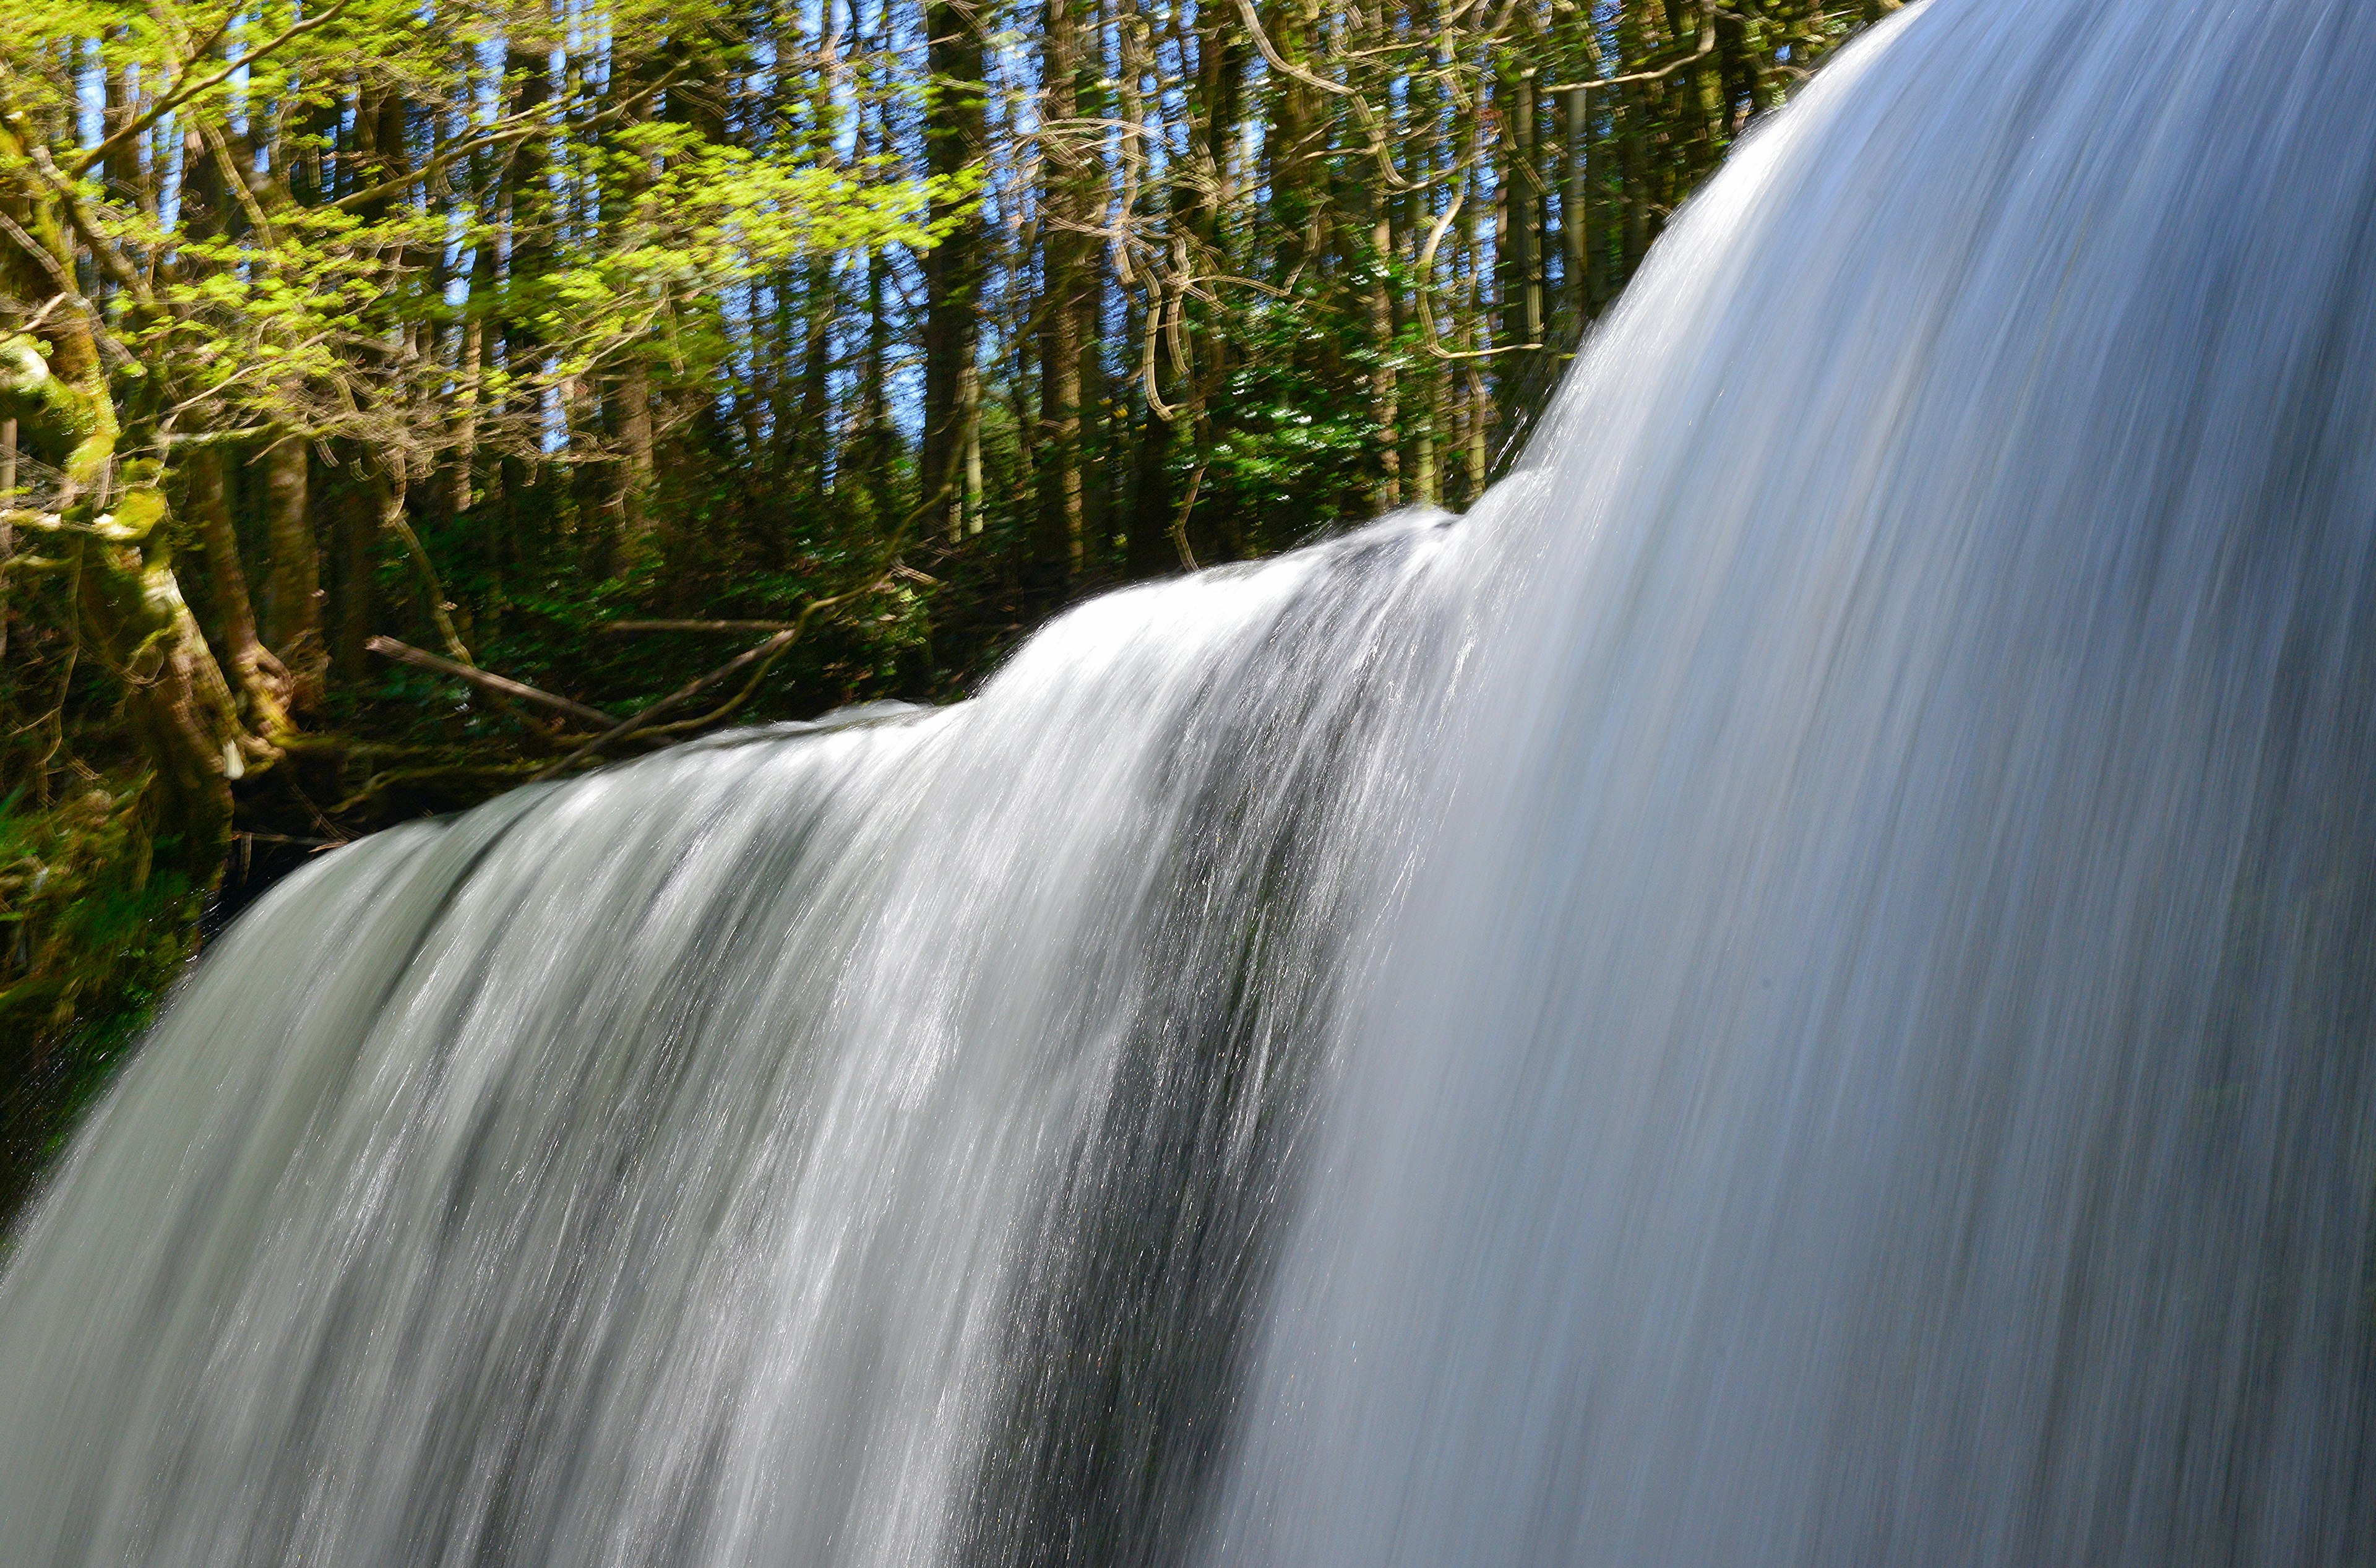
1633 113
1064 285
357 531
1223 51
256 678
1521 222
293 591
1576 241
1385 407
1297 134
630 542
953 268
632 484
876 435
177 706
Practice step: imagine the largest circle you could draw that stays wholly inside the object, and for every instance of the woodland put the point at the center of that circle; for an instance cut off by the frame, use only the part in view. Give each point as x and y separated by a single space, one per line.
401 402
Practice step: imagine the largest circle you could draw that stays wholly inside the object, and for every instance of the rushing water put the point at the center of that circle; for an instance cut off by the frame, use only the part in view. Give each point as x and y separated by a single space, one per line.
1797 989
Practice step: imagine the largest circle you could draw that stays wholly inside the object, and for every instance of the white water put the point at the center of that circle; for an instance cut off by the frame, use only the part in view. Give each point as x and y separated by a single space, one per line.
1797 990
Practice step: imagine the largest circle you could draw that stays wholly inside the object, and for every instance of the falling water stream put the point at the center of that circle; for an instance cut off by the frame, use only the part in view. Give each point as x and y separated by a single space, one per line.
1799 987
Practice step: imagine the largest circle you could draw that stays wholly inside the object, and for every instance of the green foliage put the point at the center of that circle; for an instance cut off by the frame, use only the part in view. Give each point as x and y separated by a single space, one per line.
1300 444
96 918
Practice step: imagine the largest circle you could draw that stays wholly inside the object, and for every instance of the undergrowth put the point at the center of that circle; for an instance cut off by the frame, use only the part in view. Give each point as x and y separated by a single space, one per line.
98 914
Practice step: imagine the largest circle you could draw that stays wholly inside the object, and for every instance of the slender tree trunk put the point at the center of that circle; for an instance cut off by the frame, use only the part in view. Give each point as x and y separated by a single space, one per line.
1476 403
632 487
1385 407
1427 484
293 591
462 462
629 541
1064 285
1520 220
1297 136
1633 111
1576 237
1097 446
523 203
812 439
953 268
122 166
355 532
816 368
1223 51
875 434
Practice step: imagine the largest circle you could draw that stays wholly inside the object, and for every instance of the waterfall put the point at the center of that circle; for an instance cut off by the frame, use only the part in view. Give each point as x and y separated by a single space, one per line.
1795 988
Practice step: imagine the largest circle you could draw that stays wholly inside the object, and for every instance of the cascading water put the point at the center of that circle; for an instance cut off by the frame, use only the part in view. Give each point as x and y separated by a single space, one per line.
853 1147
1799 987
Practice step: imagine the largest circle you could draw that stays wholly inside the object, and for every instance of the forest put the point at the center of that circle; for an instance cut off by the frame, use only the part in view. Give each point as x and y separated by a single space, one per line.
402 402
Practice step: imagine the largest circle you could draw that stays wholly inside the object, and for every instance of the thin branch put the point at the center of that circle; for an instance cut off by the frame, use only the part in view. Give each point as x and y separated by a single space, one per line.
697 627
1706 47
1179 523
172 23
235 180
645 717
405 653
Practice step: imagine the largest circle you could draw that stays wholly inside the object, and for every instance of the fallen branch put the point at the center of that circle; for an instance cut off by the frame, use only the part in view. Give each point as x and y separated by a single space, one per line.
691 689
762 654
405 653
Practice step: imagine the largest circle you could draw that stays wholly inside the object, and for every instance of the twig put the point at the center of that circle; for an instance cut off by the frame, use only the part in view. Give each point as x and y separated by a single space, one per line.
1433 339
405 653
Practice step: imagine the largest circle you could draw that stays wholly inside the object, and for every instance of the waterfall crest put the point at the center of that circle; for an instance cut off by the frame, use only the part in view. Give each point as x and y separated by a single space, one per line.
1881 1074
1794 989
741 1156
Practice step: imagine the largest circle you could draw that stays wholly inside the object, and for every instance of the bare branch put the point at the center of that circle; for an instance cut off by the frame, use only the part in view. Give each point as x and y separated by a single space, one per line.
405 653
